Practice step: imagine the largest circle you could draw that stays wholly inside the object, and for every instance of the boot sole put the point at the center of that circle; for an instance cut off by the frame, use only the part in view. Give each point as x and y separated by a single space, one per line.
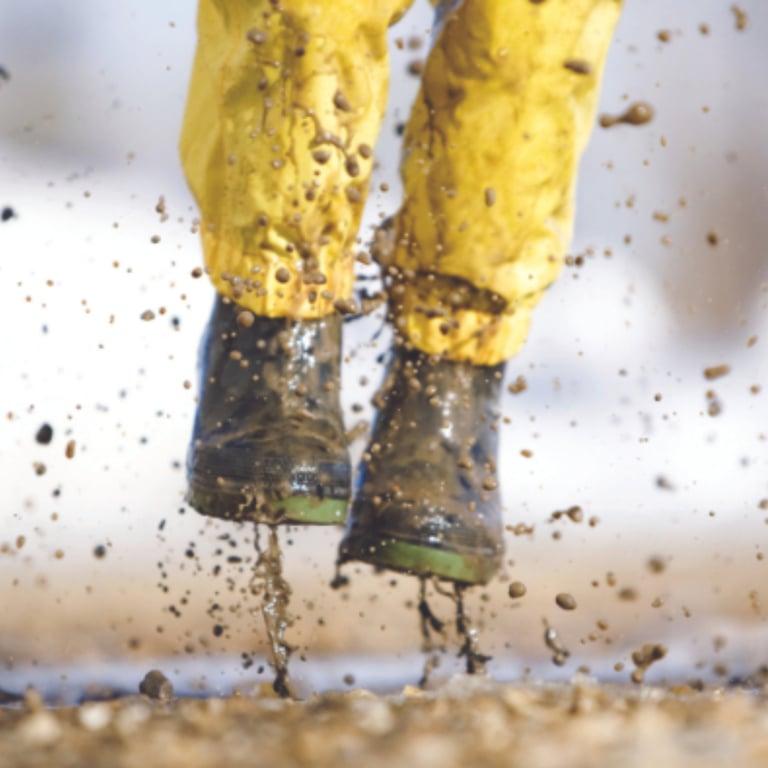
421 559
230 502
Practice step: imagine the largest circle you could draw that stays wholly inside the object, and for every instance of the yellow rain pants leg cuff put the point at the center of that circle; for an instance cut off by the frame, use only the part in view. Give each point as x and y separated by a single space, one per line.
271 286
432 316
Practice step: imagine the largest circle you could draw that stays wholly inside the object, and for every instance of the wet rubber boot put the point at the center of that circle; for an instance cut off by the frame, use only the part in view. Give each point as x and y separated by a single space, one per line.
268 442
428 500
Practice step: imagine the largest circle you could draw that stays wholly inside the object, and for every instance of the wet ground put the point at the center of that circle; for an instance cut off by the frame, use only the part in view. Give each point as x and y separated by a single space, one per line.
467 721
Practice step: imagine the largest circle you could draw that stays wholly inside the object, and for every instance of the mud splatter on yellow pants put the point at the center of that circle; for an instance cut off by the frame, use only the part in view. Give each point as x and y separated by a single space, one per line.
285 104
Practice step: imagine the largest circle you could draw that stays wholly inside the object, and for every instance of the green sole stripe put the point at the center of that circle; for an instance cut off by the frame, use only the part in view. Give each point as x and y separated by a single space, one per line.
309 509
422 560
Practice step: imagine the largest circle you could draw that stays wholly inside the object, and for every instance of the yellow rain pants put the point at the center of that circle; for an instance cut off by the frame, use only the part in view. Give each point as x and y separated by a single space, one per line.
285 105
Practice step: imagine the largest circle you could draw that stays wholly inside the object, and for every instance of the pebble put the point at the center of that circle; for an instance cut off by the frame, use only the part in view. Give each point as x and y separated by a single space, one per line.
156 686
517 589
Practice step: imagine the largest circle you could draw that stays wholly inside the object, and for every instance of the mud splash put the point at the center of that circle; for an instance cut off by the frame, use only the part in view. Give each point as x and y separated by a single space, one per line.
469 635
637 113
430 626
269 584
433 627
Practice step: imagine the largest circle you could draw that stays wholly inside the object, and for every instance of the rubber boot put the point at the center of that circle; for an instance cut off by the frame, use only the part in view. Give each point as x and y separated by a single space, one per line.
268 442
428 500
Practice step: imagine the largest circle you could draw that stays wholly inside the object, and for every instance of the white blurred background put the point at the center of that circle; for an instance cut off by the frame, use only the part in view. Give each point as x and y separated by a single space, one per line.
615 412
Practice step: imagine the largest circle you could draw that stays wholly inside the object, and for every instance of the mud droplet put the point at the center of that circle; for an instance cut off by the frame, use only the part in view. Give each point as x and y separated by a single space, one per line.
352 167
740 16
256 36
246 319
566 601
644 657
578 66
346 306
44 435
716 371
518 386
638 113
560 653
321 156
341 102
